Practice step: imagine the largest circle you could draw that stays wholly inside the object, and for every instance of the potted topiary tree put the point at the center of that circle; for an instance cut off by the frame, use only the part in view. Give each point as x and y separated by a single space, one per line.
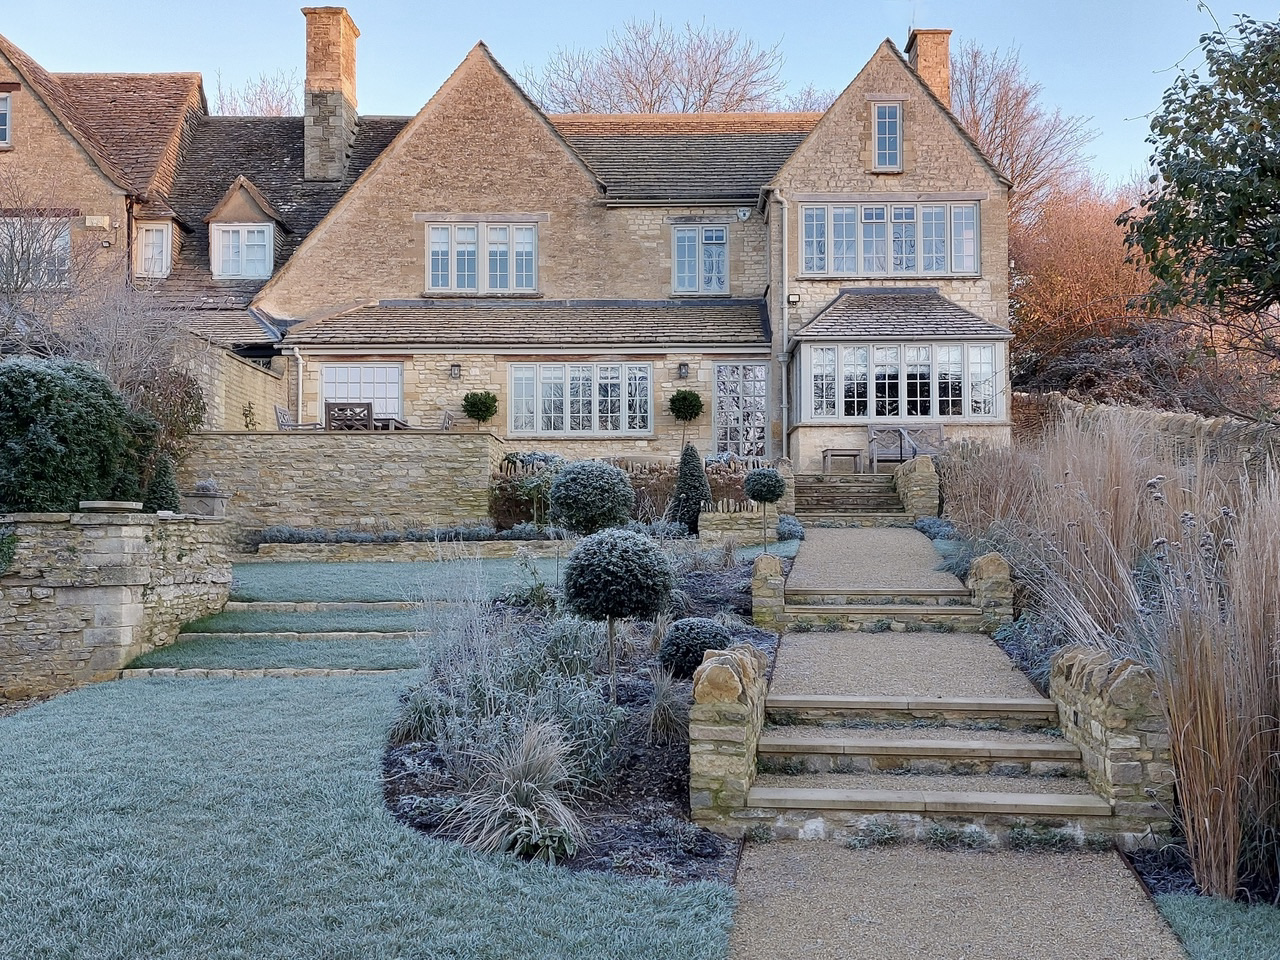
588 496
616 574
692 489
480 406
765 485
685 406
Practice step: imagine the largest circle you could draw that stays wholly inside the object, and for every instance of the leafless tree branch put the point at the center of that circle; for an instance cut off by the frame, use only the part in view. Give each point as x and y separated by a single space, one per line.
277 94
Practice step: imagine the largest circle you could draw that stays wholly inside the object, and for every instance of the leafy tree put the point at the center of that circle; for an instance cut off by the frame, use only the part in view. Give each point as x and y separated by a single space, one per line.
615 574
588 496
764 485
693 489
480 406
64 436
1209 230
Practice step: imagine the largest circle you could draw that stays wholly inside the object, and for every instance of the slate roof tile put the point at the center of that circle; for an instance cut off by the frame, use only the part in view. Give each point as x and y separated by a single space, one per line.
901 313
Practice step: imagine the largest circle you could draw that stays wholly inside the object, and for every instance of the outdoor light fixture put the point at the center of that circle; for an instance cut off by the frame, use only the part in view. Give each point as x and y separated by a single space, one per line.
455 371
682 371
793 298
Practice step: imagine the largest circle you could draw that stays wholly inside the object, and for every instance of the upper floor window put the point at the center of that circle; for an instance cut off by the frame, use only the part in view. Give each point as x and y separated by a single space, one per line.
6 101
888 136
242 250
879 239
35 253
482 257
153 250
701 259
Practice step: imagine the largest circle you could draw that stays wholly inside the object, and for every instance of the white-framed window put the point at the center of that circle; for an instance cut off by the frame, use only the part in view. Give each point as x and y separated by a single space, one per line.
35 252
701 260
581 398
242 250
888 136
6 119
909 381
378 383
153 250
742 409
482 257
890 239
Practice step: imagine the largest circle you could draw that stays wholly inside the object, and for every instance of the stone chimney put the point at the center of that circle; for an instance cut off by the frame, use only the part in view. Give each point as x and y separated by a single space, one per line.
329 97
930 54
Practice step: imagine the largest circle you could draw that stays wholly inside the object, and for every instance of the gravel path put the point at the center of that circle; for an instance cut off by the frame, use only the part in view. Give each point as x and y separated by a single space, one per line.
868 558
913 732
911 902
897 665
963 783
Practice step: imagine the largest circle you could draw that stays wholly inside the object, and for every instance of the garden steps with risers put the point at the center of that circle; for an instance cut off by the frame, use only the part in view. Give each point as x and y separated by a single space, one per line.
897 596
319 606
811 749
343 636
1001 713
842 519
849 500
901 617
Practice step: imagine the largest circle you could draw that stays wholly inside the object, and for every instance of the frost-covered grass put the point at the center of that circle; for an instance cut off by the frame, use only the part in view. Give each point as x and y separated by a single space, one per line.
786 549
1216 929
244 819
331 621
249 653
368 582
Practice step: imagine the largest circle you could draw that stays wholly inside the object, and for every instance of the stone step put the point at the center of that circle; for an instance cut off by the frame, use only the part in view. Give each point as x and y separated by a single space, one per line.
807 749
869 480
884 518
842 504
1007 713
317 606
343 636
880 617
889 596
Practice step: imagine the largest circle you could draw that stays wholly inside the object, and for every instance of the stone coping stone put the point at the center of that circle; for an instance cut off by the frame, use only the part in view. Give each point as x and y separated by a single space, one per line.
203 673
864 746
880 591
795 701
905 611
110 506
341 635
928 801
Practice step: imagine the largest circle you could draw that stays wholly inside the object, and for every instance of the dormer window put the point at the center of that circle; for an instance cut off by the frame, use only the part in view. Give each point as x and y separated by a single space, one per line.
6 102
241 251
888 137
153 250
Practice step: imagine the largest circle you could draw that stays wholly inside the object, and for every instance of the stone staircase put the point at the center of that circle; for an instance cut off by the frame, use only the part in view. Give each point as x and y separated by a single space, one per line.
966 769
850 500
876 610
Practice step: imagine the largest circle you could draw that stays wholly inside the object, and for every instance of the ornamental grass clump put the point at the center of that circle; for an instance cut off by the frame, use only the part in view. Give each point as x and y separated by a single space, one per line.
686 642
589 496
613 575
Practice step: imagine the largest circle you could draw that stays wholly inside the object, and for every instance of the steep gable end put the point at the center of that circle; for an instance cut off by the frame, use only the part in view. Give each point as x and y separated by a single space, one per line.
244 203
938 153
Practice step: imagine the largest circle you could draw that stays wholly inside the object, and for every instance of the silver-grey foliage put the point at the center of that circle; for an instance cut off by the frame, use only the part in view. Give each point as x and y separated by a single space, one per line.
589 496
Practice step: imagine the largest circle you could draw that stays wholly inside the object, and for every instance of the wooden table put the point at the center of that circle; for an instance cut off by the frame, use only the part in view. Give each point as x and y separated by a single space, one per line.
831 454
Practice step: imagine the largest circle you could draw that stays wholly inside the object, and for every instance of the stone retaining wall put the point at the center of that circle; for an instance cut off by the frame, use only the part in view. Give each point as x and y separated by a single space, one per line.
746 525
1111 710
918 488
768 592
87 592
330 480
991 583
725 721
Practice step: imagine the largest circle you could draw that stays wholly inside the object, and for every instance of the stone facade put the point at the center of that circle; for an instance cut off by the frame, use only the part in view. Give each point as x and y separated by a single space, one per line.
234 387
918 488
330 480
725 721
1111 710
87 592
991 584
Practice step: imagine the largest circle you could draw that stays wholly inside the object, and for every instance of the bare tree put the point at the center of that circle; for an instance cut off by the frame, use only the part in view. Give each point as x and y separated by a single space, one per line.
277 94
650 67
1037 148
809 99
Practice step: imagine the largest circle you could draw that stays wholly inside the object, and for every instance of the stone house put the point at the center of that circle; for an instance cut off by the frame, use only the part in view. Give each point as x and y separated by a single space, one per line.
812 276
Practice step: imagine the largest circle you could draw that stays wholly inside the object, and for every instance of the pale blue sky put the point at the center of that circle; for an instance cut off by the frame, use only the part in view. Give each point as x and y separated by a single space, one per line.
1109 60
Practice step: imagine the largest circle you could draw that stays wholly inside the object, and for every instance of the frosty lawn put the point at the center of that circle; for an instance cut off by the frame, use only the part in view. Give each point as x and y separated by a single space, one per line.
172 819
250 653
335 621
1213 929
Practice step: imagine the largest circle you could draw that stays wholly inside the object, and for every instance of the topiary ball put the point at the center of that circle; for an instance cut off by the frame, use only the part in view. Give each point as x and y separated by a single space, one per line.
764 485
685 405
480 406
588 496
617 573
687 640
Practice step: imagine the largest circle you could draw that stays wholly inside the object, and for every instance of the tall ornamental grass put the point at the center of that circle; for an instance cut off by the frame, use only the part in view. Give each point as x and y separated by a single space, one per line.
1157 554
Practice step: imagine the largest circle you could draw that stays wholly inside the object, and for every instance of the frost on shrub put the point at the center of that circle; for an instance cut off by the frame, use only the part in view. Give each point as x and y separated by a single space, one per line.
789 528
686 642
692 489
1030 642
162 491
617 574
765 485
937 528
660 529
589 496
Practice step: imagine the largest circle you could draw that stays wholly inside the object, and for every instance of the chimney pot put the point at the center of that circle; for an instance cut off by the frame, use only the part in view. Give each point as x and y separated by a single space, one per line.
929 52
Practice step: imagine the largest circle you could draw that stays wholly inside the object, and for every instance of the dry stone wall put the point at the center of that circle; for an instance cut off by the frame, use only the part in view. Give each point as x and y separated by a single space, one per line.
85 593
917 485
330 480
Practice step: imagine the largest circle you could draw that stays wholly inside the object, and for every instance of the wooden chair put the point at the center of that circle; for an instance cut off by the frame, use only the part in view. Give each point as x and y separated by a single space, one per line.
348 416
285 422
446 422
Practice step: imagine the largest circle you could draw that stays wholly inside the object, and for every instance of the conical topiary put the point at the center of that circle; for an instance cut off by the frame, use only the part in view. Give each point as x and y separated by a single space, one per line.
162 491
692 489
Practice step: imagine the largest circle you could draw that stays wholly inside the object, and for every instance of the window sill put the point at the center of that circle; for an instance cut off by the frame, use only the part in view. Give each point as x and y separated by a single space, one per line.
5 147
487 295
842 277
695 294
524 435
239 279
886 173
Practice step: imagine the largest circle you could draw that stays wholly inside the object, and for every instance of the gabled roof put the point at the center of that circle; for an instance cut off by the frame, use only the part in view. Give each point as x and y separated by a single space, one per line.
712 156
59 102
138 117
898 313
243 183
541 323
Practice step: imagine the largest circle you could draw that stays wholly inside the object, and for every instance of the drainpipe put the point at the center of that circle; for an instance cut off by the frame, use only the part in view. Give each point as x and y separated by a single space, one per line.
297 356
786 337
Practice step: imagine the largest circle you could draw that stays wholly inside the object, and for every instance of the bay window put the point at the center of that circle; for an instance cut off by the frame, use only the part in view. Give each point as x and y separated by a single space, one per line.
911 380
581 398
890 239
